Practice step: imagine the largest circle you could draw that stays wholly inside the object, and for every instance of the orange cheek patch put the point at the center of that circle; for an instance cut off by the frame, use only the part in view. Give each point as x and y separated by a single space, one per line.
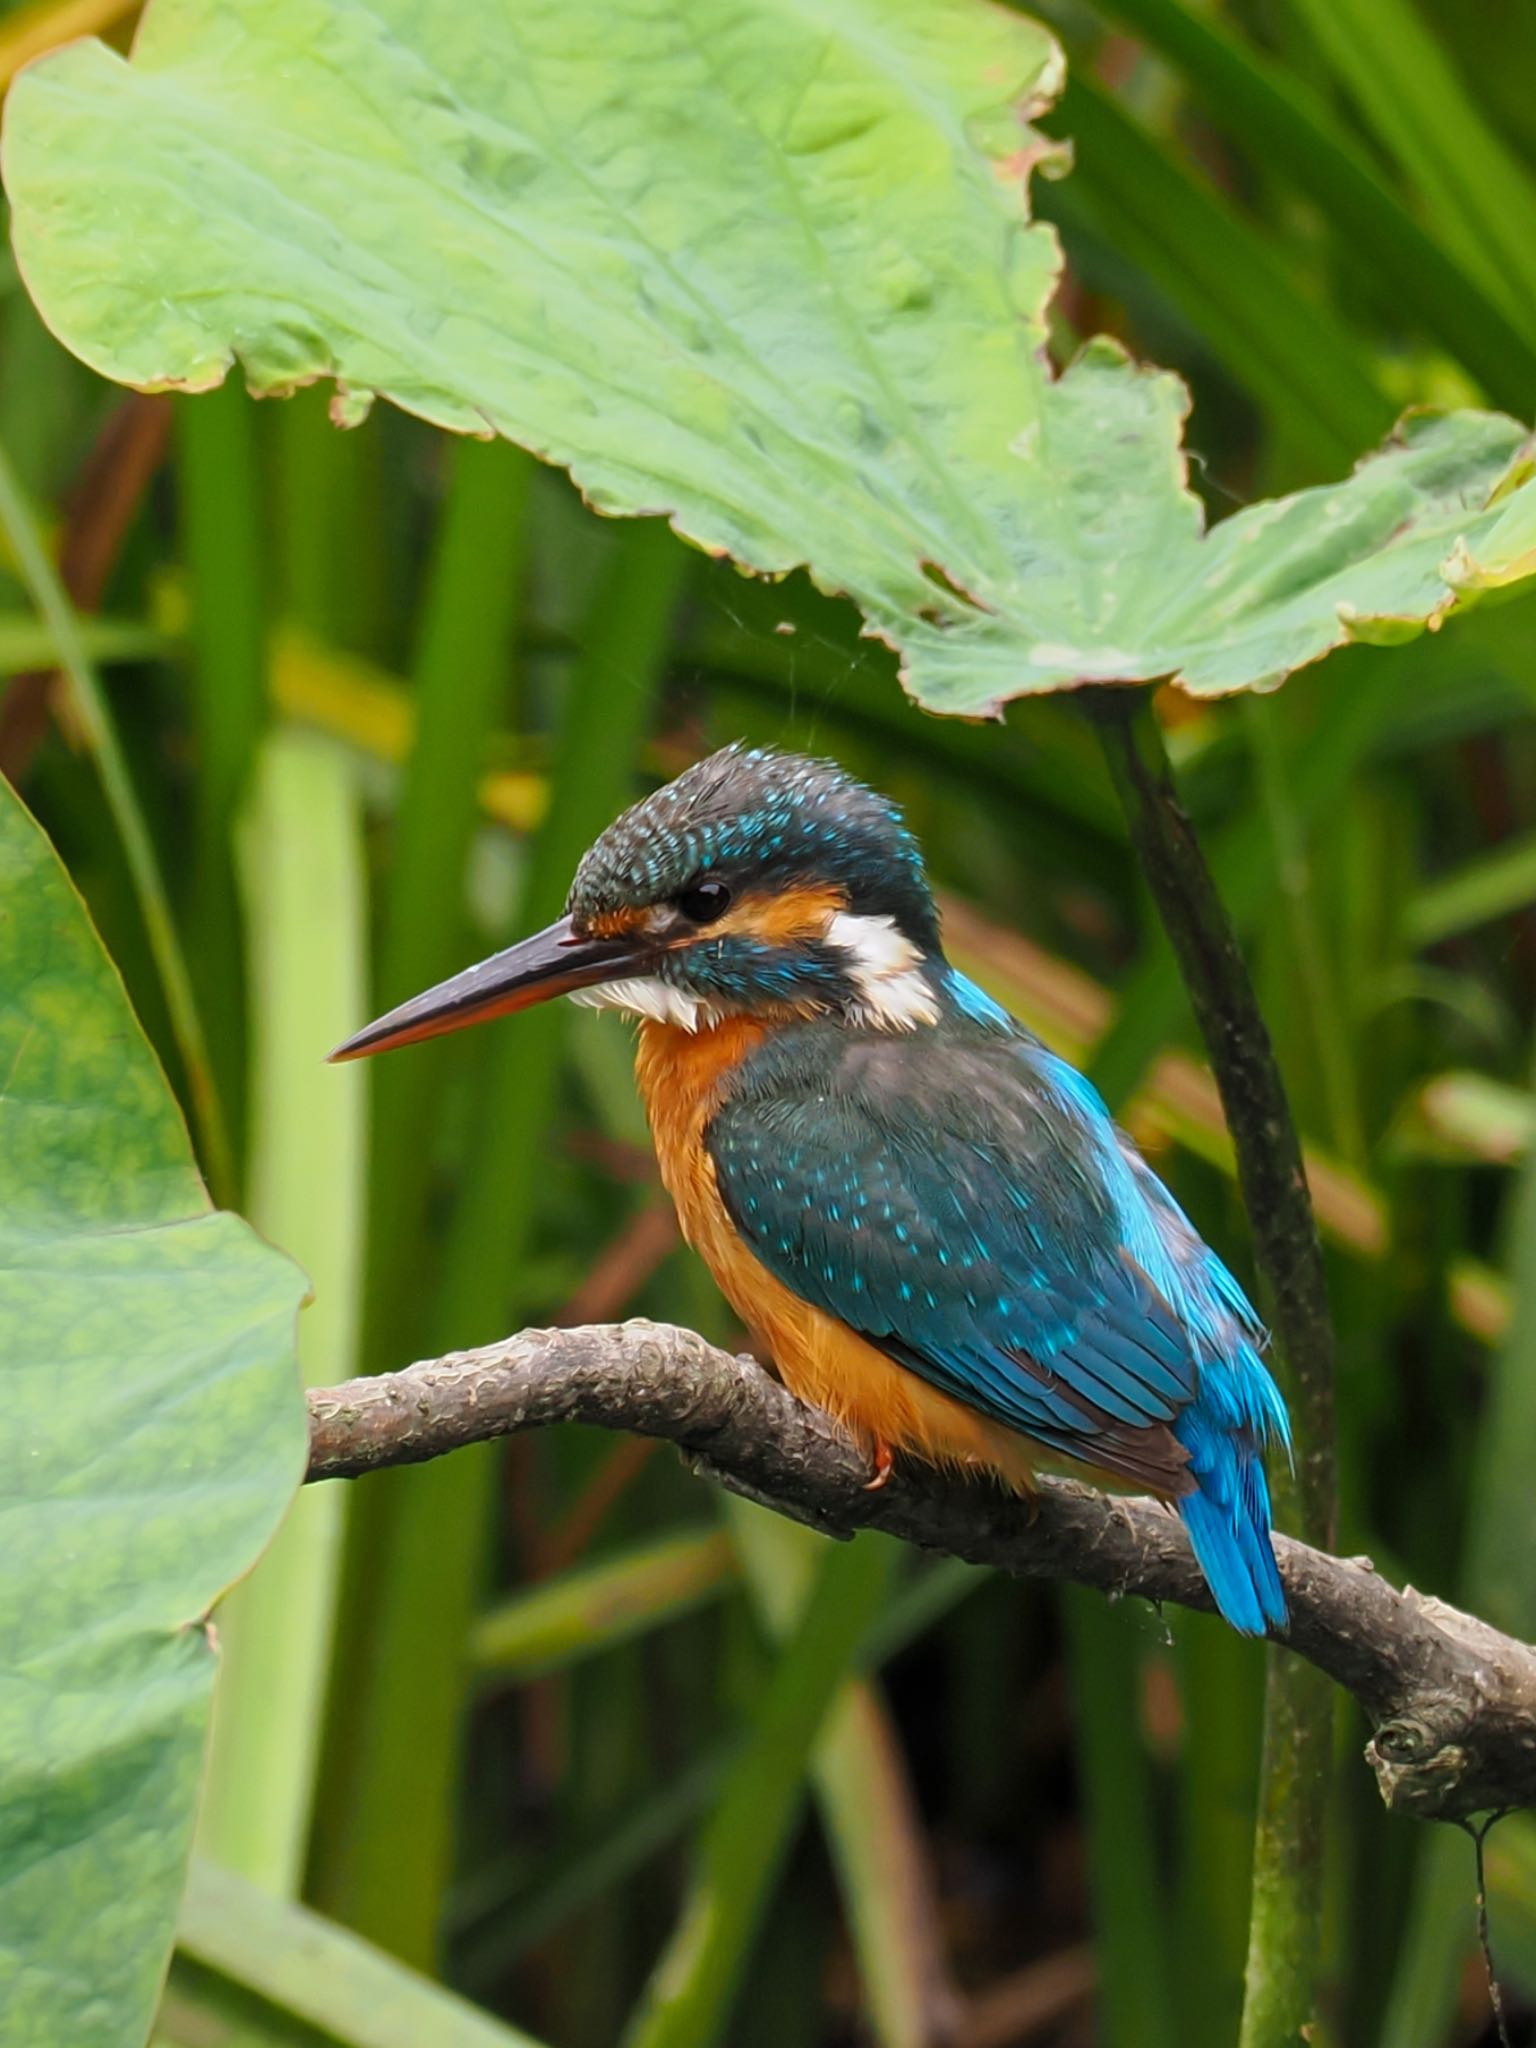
795 913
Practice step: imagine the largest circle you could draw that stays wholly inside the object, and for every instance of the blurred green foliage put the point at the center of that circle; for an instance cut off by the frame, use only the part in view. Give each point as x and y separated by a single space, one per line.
1314 212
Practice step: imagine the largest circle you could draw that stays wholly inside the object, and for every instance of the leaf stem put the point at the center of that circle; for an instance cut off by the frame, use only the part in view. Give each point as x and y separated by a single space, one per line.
1283 1939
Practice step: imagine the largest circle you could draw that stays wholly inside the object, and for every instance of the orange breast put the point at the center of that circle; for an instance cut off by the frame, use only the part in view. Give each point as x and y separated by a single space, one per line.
682 1075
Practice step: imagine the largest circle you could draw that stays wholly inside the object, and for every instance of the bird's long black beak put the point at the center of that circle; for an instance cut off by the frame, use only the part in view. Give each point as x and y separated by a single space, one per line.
551 963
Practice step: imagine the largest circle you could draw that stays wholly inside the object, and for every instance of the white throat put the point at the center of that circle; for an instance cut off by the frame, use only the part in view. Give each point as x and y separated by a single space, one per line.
647 995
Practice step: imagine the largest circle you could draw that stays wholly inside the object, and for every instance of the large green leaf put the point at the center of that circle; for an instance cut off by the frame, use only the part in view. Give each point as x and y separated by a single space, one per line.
764 267
153 1434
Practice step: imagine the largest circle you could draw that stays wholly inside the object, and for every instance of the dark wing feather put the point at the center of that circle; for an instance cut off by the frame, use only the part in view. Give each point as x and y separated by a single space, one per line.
941 1200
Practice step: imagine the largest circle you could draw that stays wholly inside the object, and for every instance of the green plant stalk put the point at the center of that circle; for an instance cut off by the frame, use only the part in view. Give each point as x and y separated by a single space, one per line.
575 1880
562 1621
1132 1927
27 644
609 704
1491 886
1274 114
1497 1584
466 651
1511 1854
1295 356
688 1999
1501 1536
862 1794
316 1976
198 2006
308 931
921 1605
220 503
333 520
1323 1004
470 619
471 615
596 1862
90 705
875 1836
1285 1931
1221 1694
1477 191
1285 1928
394 1836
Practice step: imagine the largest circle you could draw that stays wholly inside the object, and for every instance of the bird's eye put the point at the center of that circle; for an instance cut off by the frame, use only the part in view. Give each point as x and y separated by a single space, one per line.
704 902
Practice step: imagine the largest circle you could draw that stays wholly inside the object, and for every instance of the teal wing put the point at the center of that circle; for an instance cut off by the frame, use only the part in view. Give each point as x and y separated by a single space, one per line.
939 1199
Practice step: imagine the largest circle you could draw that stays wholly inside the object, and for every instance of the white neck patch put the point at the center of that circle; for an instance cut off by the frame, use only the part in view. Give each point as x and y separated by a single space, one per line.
648 995
886 968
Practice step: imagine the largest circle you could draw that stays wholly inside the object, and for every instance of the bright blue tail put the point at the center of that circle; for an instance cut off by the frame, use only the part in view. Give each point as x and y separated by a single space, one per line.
1228 1525
1228 1516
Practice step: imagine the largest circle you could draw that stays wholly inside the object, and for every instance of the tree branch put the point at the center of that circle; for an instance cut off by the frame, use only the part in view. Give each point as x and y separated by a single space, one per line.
1452 1702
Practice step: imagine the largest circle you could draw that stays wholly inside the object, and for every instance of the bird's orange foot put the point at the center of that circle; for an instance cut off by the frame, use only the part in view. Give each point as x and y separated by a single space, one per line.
885 1465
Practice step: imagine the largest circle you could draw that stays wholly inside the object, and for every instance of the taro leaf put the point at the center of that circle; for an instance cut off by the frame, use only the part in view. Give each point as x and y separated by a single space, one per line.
153 1433
763 266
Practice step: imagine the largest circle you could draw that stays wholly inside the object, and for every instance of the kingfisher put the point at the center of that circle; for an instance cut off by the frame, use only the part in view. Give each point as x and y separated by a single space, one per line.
928 1219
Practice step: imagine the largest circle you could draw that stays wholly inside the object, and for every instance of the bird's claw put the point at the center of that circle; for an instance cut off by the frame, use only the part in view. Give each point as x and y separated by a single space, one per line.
885 1465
